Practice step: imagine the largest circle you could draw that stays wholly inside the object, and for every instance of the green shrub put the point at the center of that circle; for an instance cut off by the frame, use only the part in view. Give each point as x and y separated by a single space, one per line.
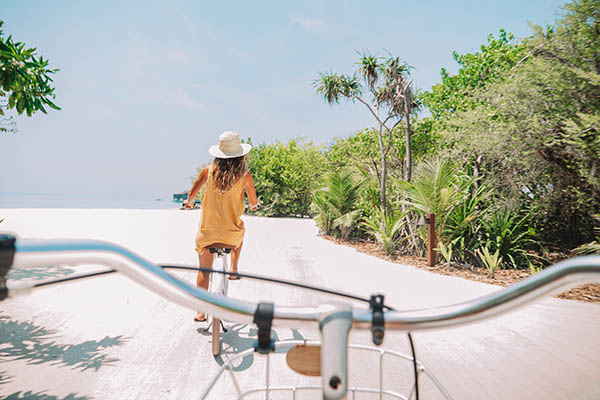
446 251
492 262
385 228
509 233
334 203
283 176
433 191
346 223
588 248
463 227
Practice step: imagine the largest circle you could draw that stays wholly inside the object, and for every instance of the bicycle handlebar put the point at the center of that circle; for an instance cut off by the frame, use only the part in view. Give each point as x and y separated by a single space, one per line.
30 253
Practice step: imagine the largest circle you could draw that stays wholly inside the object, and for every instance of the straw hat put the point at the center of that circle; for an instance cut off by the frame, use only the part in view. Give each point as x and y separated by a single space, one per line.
229 146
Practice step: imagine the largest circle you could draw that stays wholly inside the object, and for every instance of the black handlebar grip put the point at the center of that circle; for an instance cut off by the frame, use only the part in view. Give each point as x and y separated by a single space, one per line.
7 254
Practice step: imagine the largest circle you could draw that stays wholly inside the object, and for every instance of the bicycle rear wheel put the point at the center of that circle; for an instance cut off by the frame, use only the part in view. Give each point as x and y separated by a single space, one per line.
216 336
221 285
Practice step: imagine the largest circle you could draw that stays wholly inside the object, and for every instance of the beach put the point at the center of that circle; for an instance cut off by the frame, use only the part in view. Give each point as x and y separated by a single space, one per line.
110 338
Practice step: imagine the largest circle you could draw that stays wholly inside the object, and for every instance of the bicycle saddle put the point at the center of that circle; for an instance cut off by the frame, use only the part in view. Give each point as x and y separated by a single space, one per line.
221 247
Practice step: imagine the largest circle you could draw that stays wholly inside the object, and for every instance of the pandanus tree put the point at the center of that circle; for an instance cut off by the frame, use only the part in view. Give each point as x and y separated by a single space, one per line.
383 86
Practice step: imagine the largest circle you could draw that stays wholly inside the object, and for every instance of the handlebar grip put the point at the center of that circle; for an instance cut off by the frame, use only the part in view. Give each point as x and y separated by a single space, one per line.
7 254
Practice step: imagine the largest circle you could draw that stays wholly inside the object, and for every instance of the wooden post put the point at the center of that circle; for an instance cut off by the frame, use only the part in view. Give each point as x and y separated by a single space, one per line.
431 254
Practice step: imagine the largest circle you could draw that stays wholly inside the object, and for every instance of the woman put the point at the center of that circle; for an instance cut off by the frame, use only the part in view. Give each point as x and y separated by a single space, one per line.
222 203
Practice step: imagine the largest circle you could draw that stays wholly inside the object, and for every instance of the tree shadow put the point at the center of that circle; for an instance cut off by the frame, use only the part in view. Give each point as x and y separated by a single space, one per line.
42 396
239 338
5 378
35 344
39 273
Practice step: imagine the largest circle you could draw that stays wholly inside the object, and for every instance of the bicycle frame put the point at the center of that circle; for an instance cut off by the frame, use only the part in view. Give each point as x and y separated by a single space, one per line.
218 285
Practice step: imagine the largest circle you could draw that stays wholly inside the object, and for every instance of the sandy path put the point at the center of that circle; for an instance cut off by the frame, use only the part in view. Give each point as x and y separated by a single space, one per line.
108 338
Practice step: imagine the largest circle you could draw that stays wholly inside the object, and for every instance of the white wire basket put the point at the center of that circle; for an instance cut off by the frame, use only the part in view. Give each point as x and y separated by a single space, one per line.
267 389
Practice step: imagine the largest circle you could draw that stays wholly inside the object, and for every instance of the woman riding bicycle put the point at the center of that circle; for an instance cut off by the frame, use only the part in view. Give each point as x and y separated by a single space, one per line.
222 203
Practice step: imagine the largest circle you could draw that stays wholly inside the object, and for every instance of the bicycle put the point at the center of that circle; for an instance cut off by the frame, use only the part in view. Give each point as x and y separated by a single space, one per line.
218 284
334 320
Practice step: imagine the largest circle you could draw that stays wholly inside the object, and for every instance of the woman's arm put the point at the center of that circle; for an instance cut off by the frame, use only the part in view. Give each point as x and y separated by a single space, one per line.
202 176
250 191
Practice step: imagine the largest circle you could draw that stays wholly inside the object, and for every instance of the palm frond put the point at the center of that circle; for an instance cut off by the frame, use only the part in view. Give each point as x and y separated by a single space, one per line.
332 87
368 68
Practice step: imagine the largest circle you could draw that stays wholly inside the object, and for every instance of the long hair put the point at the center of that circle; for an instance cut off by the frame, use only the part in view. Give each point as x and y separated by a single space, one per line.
227 171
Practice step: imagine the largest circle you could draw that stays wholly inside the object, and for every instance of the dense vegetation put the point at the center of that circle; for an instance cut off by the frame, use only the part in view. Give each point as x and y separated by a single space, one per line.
508 158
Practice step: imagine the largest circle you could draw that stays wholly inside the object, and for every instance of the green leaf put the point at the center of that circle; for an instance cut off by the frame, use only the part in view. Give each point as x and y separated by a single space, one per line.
20 105
51 104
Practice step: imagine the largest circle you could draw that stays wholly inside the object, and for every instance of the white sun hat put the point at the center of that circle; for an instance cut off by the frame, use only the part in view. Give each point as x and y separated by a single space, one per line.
229 146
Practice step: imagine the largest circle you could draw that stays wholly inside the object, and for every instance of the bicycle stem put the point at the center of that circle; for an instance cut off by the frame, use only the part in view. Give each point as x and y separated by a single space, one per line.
335 323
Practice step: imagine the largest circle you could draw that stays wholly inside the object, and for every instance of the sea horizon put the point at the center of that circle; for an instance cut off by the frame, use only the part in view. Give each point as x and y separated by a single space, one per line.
70 200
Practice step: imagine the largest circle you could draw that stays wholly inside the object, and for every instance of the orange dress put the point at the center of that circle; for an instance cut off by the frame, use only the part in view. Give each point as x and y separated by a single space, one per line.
220 218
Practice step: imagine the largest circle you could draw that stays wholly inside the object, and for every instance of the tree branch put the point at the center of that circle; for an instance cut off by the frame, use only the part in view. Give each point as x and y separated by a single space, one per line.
517 65
369 107
389 143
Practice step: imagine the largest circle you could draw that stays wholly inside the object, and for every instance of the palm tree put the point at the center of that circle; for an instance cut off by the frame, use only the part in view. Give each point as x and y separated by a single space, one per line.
335 202
436 189
390 101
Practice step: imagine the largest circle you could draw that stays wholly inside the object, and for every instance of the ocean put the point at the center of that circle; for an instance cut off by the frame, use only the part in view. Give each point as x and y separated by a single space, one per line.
53 200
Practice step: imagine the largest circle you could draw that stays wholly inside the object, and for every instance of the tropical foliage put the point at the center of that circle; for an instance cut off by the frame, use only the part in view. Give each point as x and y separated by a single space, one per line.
491 261
335 203
387 93
386 228
25 81
435 190
508 233
588 248
533 132
507 158
284 174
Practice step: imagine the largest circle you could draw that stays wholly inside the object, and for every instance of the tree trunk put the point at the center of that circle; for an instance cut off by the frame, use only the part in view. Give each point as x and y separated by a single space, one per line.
382 196
408 175
383 179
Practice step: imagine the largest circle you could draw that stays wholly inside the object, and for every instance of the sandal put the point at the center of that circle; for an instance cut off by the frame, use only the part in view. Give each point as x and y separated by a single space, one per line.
200 317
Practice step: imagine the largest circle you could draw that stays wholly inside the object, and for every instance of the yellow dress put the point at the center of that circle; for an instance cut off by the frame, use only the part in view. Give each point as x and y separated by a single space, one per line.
220 218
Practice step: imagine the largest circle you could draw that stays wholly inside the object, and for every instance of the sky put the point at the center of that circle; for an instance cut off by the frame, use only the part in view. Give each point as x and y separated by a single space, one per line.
146 86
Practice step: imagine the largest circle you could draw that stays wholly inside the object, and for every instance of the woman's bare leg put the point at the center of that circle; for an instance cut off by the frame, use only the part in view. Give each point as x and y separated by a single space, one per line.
205 260
235 258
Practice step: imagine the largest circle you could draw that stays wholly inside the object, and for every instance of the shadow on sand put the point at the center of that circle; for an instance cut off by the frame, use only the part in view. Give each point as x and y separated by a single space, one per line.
39 273
43 396
5 378
238 338
37 345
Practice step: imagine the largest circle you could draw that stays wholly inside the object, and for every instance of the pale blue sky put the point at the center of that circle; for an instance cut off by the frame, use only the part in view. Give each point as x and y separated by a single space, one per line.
147 86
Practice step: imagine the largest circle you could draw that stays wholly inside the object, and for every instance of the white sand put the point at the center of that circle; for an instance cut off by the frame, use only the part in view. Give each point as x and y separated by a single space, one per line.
158 352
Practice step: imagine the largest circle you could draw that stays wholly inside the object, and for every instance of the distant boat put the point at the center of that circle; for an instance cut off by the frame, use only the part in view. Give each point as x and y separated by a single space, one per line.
180 197
183 196
158 199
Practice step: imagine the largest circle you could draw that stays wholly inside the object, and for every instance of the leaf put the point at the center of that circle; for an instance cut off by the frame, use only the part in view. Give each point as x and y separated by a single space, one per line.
20 105
51 104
